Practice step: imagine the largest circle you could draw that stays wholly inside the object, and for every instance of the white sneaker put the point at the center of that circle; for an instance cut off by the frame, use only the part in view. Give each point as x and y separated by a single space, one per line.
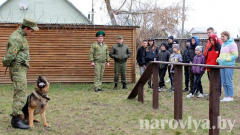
159 89
190 95
168 80
200 95
206 95
163 88
230 99
224 99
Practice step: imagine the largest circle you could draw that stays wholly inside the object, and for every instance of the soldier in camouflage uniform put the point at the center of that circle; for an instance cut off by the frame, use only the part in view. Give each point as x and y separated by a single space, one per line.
17 59
98 56
120 53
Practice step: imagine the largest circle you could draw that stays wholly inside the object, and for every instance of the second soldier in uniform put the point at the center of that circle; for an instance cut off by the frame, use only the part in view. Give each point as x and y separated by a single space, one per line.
120 53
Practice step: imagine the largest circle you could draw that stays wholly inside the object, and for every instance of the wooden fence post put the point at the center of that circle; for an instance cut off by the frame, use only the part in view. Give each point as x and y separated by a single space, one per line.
178 91
214 100
140 92
155 86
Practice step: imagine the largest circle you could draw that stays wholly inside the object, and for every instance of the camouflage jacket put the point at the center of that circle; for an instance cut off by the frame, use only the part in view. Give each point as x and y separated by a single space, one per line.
17 49
99 53
120 53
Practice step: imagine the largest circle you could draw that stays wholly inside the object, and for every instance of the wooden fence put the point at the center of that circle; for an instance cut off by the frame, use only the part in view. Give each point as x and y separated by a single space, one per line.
214 98
61 53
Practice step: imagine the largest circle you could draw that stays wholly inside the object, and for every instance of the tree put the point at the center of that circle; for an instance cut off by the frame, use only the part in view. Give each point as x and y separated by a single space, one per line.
154 20
186 33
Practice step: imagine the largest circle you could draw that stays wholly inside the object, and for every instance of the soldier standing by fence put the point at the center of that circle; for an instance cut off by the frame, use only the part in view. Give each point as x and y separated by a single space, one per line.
98 56
120 53
17 59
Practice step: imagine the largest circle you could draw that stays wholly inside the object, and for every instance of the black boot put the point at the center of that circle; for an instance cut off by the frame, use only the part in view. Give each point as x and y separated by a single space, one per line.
149 85
100 89
186 89
18 123
124 86
115 86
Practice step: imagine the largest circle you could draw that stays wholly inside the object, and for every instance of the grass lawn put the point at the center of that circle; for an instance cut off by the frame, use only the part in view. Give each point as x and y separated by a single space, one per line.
76 109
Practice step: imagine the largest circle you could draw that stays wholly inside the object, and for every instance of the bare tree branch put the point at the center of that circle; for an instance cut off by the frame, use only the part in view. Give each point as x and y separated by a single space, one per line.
122 5
132 13
110 13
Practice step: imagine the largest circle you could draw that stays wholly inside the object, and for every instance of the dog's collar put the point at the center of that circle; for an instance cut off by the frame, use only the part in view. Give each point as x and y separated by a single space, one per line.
41 96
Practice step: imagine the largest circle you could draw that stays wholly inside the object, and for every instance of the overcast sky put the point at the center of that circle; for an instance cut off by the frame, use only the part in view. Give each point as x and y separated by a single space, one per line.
220 14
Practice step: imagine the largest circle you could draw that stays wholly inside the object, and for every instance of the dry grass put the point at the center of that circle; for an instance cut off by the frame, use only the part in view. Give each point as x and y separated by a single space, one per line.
76 109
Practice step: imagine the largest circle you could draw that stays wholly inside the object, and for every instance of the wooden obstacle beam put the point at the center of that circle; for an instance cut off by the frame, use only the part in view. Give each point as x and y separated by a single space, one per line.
214 98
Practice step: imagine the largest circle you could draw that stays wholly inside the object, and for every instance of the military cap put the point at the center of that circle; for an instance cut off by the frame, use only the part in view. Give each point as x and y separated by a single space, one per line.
30 23
151 39
120 37
100 33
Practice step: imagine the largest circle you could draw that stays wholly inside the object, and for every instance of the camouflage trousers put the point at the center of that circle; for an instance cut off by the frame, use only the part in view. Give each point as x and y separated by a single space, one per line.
120 68
18 75
98 75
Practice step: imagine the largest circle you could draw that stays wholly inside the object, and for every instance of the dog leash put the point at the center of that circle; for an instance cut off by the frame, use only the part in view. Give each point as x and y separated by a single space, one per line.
6 70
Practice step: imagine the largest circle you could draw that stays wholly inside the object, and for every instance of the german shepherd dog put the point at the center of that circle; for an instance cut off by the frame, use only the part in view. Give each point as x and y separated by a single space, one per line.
37 103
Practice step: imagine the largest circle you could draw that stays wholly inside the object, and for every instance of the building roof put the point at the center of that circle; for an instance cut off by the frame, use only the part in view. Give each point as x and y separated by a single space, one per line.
65 0
4 3
202 30
77 10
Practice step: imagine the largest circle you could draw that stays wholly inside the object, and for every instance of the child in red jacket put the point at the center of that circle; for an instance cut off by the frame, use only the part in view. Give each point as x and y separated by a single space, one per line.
213 53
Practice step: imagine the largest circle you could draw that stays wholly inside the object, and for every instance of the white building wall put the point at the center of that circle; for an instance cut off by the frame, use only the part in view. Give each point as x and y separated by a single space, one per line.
43 11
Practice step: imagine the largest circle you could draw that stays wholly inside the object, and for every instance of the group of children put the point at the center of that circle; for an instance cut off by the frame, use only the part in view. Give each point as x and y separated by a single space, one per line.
217 52
176 56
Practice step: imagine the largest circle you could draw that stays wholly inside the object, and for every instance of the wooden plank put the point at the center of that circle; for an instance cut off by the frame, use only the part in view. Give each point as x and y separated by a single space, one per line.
214 101
202 65
143 79
178 92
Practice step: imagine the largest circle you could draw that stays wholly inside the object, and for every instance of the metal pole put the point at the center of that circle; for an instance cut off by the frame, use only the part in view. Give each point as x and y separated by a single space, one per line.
92 13
183 19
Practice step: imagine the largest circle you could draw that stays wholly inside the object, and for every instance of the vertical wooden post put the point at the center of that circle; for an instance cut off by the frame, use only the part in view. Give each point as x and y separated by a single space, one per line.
214 100
178 91
140 92
155 86
134 57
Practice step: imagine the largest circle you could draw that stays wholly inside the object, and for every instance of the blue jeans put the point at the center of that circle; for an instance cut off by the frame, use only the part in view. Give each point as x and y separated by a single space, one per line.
197 83
226 77
142 69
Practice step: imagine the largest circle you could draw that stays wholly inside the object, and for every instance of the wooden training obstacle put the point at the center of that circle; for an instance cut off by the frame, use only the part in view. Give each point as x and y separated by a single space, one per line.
214 98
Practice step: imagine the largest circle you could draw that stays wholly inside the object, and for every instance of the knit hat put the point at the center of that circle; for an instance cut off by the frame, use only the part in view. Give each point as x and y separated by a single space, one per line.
175 41
176 46
164 44
199 48
171 37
